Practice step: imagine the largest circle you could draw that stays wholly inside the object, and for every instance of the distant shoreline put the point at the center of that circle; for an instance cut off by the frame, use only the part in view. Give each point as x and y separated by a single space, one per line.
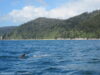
58 39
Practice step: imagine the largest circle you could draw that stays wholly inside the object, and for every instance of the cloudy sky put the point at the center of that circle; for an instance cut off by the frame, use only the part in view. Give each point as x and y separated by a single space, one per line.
16 12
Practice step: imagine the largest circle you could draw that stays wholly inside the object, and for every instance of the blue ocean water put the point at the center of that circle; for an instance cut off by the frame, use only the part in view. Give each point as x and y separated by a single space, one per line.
50 57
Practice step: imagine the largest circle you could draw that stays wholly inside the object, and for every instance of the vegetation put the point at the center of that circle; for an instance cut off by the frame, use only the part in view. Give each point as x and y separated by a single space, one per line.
86 25
5 30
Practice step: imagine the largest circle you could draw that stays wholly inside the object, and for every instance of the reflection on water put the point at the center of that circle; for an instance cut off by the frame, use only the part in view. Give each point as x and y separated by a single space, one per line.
50 57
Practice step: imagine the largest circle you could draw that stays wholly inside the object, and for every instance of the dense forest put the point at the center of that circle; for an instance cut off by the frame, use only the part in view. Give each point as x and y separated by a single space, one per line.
5 30
85 25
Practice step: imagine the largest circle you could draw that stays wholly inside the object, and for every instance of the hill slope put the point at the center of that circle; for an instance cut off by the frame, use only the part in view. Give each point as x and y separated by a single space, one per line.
8 29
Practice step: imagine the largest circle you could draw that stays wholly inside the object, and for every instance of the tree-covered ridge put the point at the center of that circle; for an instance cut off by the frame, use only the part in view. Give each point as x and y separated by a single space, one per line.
8 29
86 25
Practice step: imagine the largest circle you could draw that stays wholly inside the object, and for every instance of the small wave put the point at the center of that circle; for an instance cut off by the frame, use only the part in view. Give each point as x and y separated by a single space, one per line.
23 73
2 69
94 61
7 57
49 70
53 69
56 71
84 73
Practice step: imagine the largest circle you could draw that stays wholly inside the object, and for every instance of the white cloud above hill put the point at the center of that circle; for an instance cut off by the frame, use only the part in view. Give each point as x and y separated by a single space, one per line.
65 11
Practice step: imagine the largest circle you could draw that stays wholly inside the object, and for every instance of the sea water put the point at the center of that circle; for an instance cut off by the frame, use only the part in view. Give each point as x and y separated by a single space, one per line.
50 57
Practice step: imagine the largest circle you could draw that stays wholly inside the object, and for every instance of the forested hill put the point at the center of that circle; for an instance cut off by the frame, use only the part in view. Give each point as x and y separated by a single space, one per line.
86 25
5 30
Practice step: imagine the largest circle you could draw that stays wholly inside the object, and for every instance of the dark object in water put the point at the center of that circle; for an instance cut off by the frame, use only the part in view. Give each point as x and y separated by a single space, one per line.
23 56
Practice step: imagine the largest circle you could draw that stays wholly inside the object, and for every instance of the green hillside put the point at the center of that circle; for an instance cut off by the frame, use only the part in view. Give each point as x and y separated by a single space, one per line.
5 30
86 25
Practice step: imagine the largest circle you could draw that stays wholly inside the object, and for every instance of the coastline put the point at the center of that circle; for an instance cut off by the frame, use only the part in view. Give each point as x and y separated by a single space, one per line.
58 39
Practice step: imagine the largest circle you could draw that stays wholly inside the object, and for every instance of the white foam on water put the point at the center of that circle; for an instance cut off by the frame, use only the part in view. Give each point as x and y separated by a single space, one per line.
41 55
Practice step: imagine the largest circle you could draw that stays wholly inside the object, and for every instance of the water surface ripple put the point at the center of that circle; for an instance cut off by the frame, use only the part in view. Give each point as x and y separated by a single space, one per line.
50 57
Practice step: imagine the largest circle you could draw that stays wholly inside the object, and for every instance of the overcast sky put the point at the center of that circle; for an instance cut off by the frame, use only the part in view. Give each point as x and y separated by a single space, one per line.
16 12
